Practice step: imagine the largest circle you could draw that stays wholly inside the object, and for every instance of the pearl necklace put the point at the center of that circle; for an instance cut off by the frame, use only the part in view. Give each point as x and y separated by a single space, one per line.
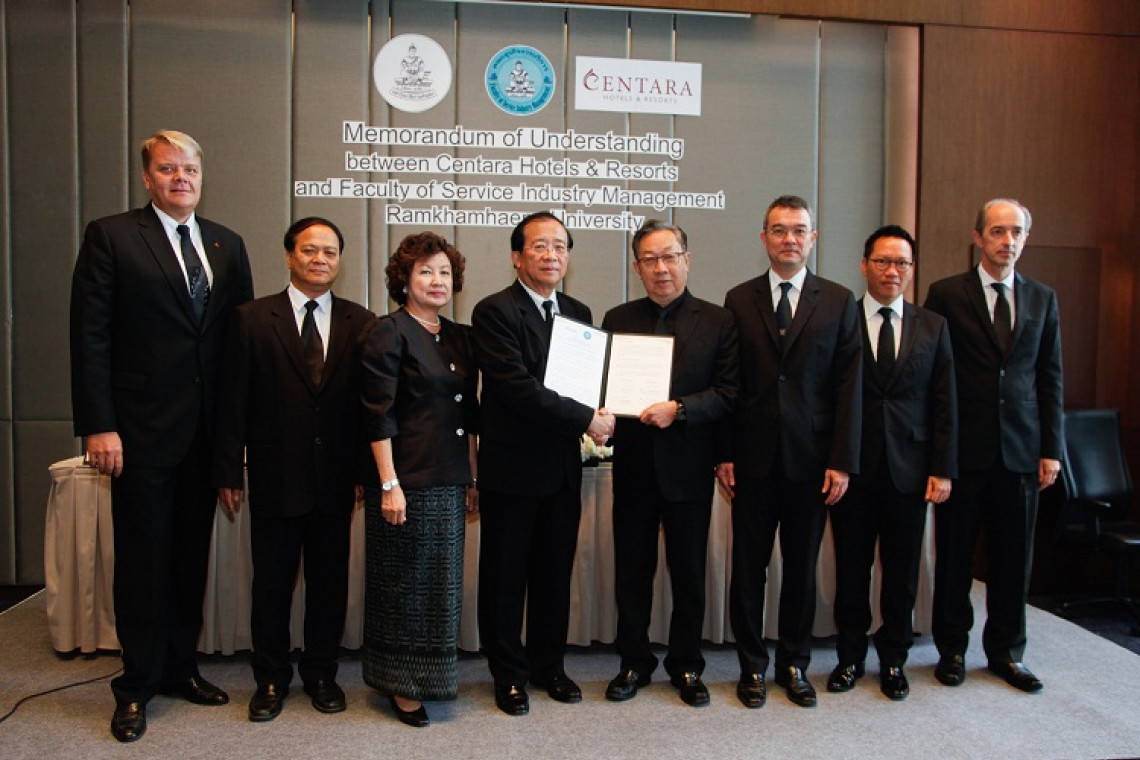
421 320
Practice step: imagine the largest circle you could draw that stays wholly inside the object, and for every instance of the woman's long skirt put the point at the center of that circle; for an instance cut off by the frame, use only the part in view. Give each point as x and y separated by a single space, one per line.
412 595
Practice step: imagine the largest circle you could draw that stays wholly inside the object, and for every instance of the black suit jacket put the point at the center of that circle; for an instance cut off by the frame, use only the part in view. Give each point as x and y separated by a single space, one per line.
421 394
805 399
141 365
529 442
681 458
302 441
1009 405
912 415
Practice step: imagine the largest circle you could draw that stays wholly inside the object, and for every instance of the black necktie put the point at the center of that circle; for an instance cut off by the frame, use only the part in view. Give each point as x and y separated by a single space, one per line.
885 355
548 310
1003 321
784 311
195 272
311 340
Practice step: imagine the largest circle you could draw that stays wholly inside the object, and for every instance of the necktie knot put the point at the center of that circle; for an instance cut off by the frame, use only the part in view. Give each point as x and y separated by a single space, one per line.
311 306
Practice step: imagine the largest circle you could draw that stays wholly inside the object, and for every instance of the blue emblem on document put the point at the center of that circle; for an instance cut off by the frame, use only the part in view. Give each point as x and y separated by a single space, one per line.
520 80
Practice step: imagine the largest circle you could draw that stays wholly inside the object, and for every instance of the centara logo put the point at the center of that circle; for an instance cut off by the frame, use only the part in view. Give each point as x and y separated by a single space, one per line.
637 85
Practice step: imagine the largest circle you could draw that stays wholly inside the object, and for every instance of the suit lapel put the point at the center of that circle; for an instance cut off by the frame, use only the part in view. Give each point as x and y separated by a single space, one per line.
909 335
338 337
764 307
153 234
871 368
976 295
285 326
809 297
1023 300
211 241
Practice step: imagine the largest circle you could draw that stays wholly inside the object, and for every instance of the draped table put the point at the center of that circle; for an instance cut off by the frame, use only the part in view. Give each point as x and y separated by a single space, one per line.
79 564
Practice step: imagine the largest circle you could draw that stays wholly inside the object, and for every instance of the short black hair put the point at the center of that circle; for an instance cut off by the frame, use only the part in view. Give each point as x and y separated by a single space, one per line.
299 226
518 235
889 231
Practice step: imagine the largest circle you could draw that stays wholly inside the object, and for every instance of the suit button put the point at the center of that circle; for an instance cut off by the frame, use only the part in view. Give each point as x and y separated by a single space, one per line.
197 381
459 431
1001 373
317 440
458 396
451 367
783 378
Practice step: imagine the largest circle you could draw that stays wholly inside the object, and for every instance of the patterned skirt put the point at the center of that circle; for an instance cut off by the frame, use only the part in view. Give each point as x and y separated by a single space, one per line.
412 595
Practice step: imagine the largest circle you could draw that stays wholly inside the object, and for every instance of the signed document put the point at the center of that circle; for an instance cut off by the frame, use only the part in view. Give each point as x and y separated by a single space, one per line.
639 372
576 364
633 371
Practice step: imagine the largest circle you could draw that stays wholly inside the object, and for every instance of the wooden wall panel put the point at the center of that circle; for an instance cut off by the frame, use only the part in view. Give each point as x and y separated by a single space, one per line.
1052 134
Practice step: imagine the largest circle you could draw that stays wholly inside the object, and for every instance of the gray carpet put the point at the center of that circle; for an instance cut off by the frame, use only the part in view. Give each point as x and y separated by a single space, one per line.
1090 708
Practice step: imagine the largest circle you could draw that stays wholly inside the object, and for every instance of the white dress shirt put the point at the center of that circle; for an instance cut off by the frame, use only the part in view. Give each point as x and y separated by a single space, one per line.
322 315
991 294
875 321
170 227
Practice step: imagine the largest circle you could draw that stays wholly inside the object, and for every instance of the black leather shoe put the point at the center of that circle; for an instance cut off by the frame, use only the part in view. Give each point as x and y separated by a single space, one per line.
843 678
327 696
1017 675
796 684
893 683
267 702
693 690
625 684
512 699
951 670
129 721
751 690
199 691
417 718
560 688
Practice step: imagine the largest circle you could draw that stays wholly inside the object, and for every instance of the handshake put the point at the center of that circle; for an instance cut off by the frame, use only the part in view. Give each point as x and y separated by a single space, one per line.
601 427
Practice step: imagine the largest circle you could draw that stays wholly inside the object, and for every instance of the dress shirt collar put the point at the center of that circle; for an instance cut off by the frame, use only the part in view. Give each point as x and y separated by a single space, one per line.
538 299
988 280
871 306
299 299
797 281
170 225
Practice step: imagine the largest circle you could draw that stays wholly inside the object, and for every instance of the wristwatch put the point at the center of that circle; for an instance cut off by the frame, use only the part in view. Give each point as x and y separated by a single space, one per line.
680 416
388 485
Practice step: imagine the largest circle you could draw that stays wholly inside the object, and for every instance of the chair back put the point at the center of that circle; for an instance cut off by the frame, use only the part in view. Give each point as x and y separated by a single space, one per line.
1094 468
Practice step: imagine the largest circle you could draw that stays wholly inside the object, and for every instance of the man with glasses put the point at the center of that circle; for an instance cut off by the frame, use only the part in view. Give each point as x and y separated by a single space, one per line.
909 454
530 471
664 462
794 443
1007 358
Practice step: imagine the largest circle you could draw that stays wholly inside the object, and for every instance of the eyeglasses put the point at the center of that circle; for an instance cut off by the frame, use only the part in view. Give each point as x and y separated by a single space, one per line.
882 265
779 232
542 248
668 259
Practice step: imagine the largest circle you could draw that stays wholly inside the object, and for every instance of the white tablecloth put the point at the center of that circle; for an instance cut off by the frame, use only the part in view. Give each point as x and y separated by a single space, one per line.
79 562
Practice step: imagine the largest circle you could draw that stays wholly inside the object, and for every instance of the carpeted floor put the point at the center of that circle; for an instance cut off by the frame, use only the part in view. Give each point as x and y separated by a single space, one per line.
1088 710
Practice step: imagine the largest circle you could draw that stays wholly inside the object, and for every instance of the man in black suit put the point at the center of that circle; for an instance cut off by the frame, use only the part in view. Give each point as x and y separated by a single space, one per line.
664 464
1007 357
794 444
291 401
909 455
530 471
151 300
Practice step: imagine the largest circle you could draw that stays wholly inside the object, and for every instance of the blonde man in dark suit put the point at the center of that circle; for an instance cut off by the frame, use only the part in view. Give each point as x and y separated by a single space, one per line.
151 300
